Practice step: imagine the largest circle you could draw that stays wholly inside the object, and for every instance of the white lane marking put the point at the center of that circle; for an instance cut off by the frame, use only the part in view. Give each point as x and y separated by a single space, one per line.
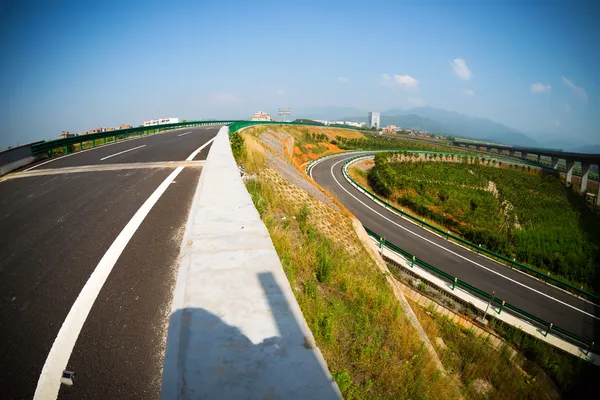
49 382
185 133
100 147
121 152
199 149
456 254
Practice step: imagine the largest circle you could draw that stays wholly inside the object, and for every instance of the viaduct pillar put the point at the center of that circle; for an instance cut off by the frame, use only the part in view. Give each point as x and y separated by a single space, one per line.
585 171
570 166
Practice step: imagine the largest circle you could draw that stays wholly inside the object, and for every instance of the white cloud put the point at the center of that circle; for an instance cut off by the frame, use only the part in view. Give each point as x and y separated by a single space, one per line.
469 92
460 69
226 98
540 88
342 79
281 92
579 91
415 102
402 81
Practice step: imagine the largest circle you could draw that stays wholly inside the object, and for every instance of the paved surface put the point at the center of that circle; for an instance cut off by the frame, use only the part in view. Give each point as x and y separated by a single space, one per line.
54 229
531 295
236 329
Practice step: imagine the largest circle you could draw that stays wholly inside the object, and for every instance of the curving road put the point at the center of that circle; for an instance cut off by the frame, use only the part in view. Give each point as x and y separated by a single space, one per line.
547 302
55 232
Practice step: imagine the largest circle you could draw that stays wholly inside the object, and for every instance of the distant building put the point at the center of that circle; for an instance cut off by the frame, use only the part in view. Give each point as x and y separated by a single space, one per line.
374 119
125 126
261 116
161 121
66 134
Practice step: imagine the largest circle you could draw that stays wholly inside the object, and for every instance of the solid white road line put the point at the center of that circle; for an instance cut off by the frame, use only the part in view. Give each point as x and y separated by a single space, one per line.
186 133
456 254
199 149
49 382
121 152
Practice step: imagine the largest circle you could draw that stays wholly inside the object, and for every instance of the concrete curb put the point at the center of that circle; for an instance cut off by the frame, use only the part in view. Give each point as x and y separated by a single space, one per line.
236 330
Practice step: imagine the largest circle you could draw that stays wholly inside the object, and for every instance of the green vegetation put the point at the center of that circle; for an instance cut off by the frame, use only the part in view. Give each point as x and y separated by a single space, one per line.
533 218
371 142
573 376
369 345
539 372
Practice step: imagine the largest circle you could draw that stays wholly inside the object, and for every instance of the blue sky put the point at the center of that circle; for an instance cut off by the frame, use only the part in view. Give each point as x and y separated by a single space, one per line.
532 65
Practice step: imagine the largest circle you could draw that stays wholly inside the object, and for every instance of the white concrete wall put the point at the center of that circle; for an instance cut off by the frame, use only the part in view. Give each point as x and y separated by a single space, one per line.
236 330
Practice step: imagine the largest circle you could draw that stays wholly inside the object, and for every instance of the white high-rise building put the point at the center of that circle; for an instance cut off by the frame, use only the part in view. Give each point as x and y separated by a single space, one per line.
374 119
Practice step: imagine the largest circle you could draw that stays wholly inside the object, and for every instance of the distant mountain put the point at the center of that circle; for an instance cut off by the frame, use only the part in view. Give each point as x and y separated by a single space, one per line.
429 119
449 122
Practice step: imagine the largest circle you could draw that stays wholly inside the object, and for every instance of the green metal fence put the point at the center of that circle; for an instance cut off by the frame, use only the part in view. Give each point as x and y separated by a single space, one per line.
49 145
482 250
547 327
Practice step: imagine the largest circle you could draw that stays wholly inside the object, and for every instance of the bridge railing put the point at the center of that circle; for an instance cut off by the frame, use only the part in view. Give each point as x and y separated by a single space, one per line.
480 249
49 145
546 326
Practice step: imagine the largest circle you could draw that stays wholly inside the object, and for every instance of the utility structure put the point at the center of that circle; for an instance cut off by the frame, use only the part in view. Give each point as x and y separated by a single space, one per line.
284 112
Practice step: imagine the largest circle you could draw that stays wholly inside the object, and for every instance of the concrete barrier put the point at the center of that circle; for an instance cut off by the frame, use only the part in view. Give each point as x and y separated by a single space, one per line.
17 157
236 330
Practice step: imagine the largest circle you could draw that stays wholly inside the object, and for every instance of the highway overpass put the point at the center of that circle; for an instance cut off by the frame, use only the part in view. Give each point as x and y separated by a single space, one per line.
56 228
586 160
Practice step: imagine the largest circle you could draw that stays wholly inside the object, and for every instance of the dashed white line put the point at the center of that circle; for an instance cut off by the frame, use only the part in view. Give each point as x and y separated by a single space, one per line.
456 254
121 152
49 382
185 133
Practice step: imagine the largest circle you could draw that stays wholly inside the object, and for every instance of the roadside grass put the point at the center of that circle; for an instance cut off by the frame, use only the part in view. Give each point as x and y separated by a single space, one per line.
571 376
369 345
479 365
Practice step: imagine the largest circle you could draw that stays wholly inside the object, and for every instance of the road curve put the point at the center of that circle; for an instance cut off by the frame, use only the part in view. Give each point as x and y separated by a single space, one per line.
54 231
545 301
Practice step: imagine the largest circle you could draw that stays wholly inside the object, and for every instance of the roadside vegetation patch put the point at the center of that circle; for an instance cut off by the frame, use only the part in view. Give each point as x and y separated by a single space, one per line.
521 214
368 343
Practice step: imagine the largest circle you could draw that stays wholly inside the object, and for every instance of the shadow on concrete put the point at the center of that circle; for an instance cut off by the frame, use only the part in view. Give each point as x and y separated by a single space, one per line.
206 358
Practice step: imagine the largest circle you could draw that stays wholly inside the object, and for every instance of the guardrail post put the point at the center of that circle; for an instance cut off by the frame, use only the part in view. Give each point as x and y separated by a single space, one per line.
447 234
94 143
67 149
478 248
104 139
454 284
589 348
382 245
548 331
422 222
501 307
413 262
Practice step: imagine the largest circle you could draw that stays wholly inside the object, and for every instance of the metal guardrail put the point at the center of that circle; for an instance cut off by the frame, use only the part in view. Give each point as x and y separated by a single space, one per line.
556 281
49 145
549 327
590 345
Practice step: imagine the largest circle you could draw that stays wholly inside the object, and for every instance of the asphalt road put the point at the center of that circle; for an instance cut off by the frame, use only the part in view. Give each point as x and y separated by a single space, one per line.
523 291
55 229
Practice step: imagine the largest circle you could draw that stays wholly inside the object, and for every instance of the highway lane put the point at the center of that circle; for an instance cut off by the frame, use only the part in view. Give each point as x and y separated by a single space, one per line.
166 146
523 291
54 230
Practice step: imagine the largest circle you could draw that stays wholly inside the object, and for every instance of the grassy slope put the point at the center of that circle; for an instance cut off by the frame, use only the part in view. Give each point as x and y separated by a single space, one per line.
550 216
370 347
